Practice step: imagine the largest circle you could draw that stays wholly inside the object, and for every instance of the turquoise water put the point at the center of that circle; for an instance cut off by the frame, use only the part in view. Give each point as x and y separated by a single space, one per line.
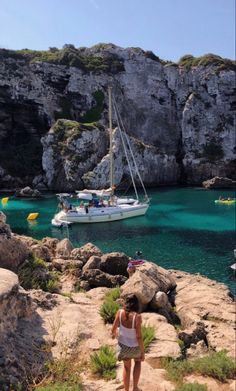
183 229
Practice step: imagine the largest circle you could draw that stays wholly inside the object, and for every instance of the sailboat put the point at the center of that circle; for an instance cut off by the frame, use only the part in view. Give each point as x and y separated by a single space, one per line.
104 205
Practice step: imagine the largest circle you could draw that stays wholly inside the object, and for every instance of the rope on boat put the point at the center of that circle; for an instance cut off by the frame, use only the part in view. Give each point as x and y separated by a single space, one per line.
119 119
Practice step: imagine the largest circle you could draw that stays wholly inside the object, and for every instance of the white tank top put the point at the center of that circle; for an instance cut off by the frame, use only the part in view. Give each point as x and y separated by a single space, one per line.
128 336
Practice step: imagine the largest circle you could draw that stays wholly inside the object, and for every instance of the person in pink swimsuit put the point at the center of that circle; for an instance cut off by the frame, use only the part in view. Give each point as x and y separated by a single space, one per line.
130 341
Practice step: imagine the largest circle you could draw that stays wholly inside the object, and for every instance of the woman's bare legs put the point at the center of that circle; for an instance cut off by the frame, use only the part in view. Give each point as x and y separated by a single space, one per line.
136 374
126 374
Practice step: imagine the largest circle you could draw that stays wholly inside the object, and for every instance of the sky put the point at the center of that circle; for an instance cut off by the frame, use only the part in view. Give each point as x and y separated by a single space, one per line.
169 28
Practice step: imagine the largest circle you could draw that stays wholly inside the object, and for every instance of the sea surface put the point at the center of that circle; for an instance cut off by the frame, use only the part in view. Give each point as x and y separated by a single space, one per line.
183 229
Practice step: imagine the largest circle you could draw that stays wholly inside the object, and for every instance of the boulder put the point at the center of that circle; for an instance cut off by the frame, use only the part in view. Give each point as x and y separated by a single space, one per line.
64 249
28 192
93 263
63 264
85 252
115 263
13 251
41 251
5 231
140 285
201 300
162 278
50 243
166 341
160 300
219 183
96 278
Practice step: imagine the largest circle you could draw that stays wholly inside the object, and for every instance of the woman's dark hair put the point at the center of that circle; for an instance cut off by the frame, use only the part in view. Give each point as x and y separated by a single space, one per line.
131 304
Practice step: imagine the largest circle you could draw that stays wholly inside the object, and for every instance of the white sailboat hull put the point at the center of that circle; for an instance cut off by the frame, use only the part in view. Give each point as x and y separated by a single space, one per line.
101 215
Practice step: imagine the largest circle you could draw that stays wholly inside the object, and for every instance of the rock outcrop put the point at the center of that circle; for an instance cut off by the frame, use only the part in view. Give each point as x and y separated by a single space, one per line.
179 117
13 251
219 183
27 192
21 356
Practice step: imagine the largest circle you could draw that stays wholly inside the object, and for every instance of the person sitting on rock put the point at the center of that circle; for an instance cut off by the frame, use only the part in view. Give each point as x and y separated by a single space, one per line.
134 263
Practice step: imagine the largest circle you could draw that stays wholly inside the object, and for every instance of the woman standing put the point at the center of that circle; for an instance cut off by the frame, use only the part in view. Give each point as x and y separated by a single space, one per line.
130 341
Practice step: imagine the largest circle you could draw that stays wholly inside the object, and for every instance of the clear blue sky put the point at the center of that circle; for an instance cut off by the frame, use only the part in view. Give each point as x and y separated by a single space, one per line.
170 28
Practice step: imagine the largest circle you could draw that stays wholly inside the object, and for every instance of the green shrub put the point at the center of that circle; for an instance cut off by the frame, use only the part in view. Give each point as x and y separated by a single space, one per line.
188 61
62 375
108 310
113 294
52 285
176 369
94 114
65 386
192 387
34 274
148 333
103 362
217 365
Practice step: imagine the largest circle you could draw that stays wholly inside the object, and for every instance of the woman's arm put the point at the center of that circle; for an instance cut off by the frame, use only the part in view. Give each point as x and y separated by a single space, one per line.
139 335
115 325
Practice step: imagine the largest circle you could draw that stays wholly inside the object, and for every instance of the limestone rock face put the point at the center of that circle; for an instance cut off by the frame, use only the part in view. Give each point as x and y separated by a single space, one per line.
179 120
208 304
13 251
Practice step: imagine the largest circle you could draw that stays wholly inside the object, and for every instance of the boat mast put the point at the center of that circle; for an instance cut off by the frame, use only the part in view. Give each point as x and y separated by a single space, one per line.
111 143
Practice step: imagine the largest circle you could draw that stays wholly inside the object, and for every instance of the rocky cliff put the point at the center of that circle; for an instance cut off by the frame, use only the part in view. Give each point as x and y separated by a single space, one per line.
179 117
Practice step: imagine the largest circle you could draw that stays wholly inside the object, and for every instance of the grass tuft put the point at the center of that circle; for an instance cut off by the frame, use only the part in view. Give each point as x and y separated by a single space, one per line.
108 311
217 365
110 307
192 387
148 333
103 362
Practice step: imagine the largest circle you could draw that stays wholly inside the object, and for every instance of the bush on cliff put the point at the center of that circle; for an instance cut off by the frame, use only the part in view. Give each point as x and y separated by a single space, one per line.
34 274
103 362
69 56
188 61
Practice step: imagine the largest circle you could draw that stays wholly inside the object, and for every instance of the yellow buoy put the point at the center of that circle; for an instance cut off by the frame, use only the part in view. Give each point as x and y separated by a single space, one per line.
5 200
32 216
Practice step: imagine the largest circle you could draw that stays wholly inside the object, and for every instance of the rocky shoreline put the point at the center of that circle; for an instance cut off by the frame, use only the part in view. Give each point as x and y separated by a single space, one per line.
191 314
